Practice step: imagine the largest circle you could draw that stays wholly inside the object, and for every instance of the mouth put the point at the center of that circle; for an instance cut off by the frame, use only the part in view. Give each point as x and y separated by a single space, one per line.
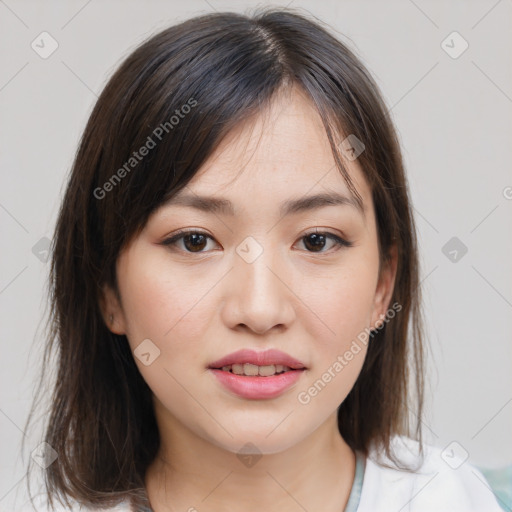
257 375
253 370
257 363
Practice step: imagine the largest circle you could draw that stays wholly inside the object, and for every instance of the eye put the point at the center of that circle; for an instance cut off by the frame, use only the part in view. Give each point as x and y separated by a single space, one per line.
316 241
193 241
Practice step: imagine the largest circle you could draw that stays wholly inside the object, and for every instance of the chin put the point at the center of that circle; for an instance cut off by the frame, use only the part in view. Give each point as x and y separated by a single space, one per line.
256 438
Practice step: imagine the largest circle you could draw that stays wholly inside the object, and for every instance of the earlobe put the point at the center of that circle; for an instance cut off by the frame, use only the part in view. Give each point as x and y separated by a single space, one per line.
111 311
385 288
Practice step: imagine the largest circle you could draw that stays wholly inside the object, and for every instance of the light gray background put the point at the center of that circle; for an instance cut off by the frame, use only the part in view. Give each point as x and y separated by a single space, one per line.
455 123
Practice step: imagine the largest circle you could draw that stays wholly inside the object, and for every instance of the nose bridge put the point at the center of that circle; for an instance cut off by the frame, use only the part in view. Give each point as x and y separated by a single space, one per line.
259 290
255 265
255 269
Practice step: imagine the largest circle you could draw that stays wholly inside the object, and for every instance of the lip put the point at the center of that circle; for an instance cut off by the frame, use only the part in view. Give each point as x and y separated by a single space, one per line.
264 358
257 388
253 387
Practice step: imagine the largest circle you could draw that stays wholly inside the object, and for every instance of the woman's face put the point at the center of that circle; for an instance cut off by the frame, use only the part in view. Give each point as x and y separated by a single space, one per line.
255 277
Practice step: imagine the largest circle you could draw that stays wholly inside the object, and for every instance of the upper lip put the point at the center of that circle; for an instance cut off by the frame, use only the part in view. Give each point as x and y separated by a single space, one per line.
264 358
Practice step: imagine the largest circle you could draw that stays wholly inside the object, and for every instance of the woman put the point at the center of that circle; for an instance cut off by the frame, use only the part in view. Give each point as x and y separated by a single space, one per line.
234 277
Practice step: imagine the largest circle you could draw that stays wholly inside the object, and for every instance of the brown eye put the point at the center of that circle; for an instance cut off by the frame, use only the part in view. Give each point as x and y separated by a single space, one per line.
193 241
316 241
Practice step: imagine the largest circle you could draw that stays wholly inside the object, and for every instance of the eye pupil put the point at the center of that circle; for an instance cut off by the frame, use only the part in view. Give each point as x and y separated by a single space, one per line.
193 238
318 240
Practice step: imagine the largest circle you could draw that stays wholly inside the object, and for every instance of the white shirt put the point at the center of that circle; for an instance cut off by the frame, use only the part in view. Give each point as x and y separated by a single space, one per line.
447 484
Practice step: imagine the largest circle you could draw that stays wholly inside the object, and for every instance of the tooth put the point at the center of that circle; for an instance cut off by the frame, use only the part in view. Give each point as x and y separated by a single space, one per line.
279 368
266 371
250 369
226 368
237 368
286 368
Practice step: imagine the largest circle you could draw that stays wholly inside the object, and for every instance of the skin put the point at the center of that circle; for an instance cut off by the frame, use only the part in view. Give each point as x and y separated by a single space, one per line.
198 307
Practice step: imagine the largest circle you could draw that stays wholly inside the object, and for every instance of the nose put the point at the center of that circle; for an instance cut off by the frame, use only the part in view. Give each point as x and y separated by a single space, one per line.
258 296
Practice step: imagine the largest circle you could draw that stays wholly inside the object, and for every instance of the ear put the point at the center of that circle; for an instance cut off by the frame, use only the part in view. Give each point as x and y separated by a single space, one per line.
385 287
112 311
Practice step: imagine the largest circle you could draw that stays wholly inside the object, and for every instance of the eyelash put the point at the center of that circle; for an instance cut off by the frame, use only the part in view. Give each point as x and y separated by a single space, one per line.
340 242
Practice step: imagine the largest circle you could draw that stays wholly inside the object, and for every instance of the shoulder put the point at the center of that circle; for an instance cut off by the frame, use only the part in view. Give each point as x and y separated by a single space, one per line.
438 482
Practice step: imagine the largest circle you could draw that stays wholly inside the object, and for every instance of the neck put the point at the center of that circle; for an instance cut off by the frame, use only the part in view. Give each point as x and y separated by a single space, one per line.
192 473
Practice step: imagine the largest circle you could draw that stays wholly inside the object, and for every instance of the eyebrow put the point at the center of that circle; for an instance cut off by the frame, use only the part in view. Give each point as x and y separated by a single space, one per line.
292 206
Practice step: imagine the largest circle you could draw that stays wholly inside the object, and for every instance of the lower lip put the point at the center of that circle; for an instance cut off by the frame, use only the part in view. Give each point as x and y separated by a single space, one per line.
257 388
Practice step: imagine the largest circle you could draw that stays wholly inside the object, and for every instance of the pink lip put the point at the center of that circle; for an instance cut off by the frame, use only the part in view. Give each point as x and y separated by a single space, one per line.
257 388
267 357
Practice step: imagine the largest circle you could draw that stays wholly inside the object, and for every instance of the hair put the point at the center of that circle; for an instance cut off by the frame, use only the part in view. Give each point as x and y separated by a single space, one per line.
226 67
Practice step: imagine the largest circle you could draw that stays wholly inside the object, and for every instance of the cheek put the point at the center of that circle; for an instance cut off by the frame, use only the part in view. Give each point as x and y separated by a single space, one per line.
159 303
344 304
172 310
344 300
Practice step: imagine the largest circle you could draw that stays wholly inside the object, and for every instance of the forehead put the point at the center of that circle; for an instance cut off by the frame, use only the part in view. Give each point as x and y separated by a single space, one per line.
281 153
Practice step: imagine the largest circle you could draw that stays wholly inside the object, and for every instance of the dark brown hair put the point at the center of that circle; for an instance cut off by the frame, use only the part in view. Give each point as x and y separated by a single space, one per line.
226 67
